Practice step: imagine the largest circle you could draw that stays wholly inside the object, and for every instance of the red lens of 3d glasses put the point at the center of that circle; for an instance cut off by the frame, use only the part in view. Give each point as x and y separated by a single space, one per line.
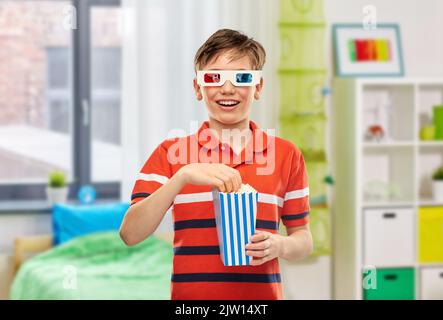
212 77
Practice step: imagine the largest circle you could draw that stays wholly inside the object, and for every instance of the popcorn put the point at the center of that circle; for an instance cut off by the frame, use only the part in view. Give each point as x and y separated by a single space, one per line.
235 215
246 188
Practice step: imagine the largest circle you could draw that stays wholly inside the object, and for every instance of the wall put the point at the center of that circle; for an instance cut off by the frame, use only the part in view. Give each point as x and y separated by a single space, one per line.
420 22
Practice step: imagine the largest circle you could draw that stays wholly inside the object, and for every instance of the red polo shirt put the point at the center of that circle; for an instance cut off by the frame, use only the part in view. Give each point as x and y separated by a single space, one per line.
271 165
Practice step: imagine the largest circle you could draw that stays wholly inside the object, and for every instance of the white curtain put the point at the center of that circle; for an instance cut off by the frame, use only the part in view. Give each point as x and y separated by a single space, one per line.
160 41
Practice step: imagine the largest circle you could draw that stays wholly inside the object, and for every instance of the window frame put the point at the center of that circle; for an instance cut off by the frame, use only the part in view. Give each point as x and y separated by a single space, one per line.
81 116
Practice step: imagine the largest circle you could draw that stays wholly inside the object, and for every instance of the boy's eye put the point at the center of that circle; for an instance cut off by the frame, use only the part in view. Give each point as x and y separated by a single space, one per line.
244 77
212 77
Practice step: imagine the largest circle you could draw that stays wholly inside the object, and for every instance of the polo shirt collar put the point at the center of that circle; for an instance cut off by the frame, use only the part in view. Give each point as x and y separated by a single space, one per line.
260 140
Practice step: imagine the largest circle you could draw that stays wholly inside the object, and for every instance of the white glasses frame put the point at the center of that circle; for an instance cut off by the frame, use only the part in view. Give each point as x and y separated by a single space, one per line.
230 75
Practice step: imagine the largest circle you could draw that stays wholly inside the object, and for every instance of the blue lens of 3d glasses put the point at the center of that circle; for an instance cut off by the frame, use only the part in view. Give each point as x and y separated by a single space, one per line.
243 77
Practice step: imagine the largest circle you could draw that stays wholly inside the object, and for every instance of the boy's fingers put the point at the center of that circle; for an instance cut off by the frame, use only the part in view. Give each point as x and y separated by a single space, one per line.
259 236
230 176
235 178
235 183
222 176
262 245
228 184
231 182
238 179
258 253
218 183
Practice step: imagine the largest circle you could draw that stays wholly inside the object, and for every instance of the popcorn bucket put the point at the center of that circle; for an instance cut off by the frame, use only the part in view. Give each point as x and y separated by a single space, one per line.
235 215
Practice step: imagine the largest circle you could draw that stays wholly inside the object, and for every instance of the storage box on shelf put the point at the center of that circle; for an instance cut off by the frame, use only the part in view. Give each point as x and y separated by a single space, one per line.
431 279
430 235
386 216
389 237
392 284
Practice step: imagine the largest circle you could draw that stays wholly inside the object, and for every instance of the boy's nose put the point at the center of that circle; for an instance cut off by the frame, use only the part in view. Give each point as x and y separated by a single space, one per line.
228 87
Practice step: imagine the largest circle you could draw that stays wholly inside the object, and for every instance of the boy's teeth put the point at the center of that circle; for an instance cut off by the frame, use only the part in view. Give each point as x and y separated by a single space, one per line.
227 103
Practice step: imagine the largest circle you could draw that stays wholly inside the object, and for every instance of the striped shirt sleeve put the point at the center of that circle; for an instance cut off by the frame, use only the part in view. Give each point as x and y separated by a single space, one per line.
295 211
155 172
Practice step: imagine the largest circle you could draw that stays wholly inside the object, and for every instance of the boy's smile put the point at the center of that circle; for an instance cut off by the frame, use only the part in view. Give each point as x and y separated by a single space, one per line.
228 104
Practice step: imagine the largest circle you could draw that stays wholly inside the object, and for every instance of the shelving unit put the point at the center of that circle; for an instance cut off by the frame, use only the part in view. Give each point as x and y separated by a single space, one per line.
384 214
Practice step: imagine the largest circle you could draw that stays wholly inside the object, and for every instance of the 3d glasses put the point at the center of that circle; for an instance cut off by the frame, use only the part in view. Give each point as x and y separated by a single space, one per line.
217 78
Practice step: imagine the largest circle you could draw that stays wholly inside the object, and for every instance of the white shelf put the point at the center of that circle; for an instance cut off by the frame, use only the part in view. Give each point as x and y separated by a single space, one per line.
387 204
435 143
401 144
398 81
430 264
391 144
365 170
430 203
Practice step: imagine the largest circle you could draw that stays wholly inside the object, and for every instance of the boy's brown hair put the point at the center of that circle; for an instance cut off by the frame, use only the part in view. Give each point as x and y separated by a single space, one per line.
232 41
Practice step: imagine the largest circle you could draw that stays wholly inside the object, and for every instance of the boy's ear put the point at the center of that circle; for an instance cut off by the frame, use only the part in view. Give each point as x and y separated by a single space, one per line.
197 90
258 89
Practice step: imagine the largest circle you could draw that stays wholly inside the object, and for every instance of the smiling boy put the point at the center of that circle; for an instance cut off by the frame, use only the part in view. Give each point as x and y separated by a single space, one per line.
230 150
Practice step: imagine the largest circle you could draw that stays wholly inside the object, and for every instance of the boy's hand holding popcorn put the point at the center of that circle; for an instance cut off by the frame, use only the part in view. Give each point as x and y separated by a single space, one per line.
218 175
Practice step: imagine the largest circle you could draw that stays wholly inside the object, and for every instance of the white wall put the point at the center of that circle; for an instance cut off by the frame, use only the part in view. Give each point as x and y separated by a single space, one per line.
420 23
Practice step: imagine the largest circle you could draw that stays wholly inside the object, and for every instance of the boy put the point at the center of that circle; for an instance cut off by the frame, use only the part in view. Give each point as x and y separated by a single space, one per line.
227 150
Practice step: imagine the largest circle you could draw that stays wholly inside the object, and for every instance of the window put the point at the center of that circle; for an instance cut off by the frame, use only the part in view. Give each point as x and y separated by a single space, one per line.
53 81
58 92
105 93
35 89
